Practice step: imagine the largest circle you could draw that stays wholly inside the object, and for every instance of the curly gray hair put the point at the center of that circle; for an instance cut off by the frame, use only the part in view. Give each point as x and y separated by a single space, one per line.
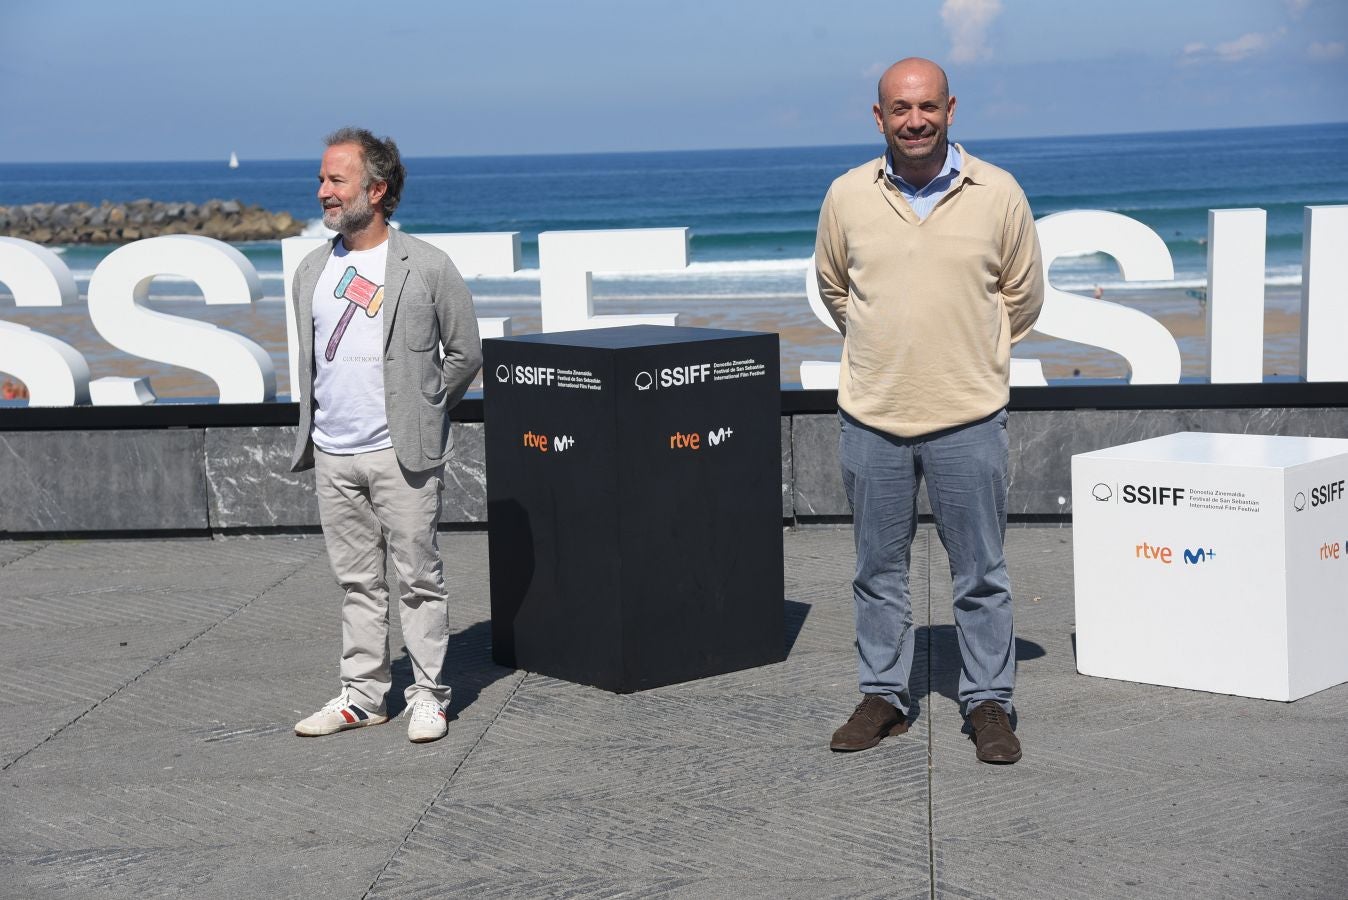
382 163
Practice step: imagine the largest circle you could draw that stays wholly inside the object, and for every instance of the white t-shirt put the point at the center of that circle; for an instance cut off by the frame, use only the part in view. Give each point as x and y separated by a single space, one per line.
349 412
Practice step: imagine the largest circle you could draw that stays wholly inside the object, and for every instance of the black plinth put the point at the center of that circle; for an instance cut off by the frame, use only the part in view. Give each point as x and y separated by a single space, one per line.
634 503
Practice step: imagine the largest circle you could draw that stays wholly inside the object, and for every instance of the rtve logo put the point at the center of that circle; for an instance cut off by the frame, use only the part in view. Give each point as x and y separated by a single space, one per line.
1166 556
680 441
693 441
539 442
1331 550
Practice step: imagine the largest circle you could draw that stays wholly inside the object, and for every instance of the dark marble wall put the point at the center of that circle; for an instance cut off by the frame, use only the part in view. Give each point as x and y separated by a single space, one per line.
816 480
1042 447
465 498
251 485
215 479
56 481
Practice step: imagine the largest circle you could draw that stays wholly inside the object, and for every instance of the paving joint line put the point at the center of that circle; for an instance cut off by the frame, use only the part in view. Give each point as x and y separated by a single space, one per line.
156 664
444 788
41 546
931 749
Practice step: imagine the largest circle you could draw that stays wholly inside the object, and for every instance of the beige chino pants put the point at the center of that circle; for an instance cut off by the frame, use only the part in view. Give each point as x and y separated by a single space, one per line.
371 508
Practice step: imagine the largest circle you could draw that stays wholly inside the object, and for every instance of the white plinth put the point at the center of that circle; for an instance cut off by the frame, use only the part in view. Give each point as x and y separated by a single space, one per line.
1216 562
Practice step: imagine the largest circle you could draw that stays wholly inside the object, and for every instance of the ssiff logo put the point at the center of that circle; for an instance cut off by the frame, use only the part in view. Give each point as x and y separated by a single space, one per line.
1152 494
1320 495
1141 494
674 376
535 375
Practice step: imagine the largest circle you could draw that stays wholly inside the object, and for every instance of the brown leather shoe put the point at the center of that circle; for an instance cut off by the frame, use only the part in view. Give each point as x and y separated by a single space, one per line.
996 742
873 719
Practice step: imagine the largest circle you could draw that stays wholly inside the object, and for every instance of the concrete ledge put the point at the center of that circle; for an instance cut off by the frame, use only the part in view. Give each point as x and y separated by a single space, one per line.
228 478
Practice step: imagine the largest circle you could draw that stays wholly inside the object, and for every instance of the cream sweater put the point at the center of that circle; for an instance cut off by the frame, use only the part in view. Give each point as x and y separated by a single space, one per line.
928 308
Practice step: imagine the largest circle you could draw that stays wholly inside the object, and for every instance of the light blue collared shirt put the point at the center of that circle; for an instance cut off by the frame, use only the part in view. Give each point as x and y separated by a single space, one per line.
922 200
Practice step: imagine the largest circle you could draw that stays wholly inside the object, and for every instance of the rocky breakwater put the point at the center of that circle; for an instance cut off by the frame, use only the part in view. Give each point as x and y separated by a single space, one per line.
118 223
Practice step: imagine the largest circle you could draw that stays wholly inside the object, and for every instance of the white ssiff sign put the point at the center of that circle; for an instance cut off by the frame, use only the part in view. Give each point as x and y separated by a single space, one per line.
58 375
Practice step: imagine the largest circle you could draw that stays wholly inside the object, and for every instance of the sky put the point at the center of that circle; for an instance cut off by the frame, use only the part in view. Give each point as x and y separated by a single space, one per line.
89 80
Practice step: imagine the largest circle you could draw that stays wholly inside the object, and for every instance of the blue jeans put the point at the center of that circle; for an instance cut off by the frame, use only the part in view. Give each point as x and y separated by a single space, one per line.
966 473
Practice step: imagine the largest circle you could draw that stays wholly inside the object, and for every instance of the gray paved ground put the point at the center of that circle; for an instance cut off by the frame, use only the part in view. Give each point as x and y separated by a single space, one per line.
150 688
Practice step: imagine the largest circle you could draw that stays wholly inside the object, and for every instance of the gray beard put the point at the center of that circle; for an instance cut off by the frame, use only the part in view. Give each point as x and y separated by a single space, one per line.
349 220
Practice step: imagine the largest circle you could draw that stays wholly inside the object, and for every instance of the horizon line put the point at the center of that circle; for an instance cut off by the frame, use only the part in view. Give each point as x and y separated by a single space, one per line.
535 155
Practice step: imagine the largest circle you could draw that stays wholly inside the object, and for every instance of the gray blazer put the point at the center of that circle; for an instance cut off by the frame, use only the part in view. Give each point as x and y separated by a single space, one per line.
426 307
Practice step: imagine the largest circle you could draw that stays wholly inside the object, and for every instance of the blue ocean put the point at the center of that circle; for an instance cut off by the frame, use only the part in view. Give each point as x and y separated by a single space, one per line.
751 215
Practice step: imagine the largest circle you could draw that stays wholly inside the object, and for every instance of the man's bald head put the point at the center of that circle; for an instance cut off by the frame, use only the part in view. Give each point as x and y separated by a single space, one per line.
914 112
905 70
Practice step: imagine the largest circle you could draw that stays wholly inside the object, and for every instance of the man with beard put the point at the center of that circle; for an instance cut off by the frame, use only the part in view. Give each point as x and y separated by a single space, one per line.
375 309
928 261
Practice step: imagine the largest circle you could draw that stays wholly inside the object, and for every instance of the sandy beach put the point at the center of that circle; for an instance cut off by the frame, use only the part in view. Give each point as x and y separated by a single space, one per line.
803 337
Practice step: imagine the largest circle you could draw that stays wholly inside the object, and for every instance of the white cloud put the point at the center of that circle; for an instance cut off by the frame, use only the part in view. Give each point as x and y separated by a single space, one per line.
967 22
1297 7
1242 48
1321 52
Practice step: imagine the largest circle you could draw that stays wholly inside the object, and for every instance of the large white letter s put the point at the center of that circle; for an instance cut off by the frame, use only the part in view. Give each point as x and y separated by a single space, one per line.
1151 350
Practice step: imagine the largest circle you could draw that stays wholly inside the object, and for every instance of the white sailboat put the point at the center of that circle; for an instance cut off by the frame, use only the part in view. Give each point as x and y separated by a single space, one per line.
233 160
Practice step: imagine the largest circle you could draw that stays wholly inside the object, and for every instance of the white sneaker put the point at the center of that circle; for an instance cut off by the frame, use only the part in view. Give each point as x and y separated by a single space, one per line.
338 714
428 722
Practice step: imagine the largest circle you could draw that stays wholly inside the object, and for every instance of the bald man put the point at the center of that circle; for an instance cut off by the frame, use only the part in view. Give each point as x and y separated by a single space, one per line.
929 264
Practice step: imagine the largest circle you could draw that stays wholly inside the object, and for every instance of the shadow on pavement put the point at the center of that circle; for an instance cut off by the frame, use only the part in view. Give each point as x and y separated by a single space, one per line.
943 654
468 670
794 616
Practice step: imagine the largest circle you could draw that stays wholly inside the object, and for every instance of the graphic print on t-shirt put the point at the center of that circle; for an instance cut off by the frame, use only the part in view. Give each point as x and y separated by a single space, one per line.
359 291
